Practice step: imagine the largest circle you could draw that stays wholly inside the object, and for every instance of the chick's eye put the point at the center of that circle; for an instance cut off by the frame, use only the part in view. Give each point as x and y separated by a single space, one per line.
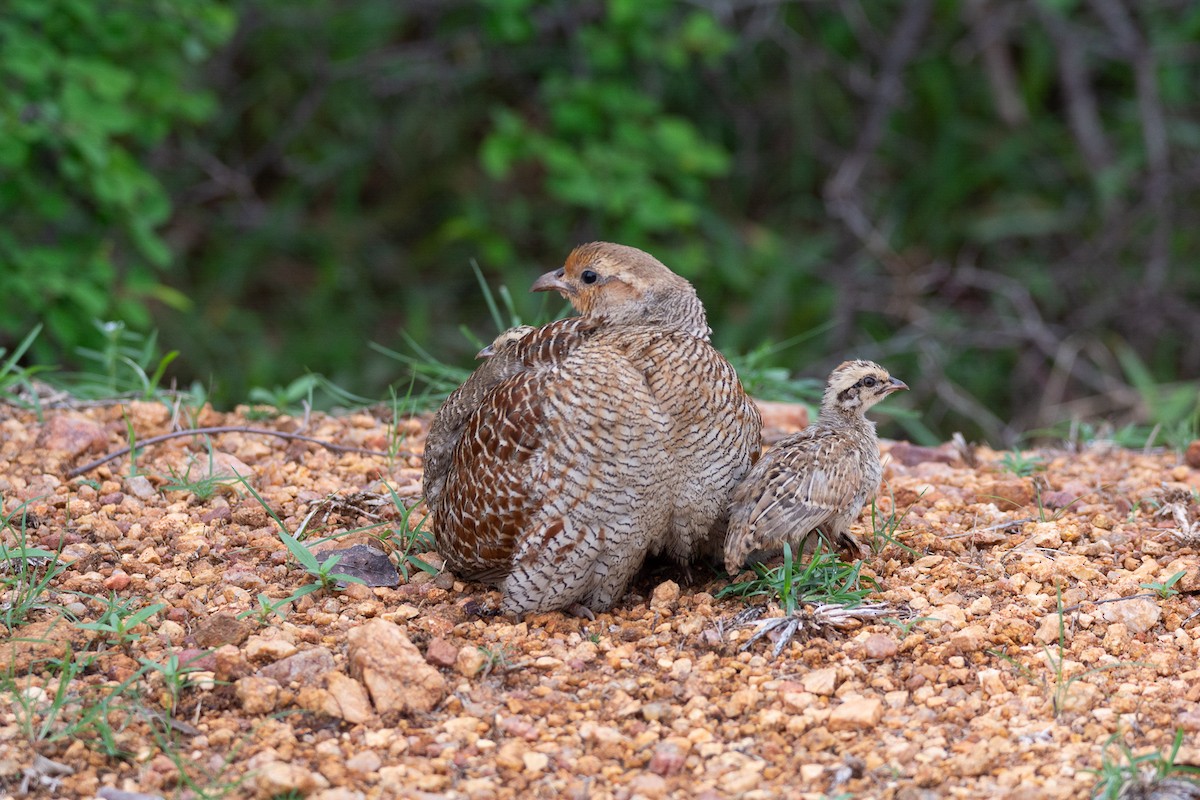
587 276
869 382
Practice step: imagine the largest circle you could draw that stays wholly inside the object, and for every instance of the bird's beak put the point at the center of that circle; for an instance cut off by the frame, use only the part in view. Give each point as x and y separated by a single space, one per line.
486 352
896 385
552 282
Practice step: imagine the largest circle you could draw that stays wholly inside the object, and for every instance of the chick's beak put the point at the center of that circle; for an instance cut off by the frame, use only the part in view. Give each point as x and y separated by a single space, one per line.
552 281
896 385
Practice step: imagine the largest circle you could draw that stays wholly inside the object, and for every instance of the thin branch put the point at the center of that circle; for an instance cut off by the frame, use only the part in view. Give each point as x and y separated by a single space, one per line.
989 27
1083 109
841 189
1154 136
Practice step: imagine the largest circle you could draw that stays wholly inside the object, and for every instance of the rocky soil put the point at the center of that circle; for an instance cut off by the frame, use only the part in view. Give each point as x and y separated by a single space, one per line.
1024 641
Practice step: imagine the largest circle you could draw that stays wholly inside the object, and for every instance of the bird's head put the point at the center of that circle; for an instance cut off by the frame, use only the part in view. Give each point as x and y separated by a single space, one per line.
625 285
506 338
855 386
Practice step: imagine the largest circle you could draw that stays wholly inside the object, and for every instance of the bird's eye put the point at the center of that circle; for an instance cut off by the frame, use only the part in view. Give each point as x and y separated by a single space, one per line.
588 276
869 381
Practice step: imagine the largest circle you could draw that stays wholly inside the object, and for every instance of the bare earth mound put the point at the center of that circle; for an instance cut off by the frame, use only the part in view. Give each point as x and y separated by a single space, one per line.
981 687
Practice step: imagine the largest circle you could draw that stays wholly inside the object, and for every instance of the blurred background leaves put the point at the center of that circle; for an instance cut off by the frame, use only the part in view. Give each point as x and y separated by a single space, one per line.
993 198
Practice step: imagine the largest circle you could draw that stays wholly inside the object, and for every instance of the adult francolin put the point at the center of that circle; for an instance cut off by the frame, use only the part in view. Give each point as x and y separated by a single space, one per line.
584 445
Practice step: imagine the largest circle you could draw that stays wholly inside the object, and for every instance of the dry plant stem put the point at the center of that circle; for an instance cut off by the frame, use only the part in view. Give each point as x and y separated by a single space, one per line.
337 448
841 190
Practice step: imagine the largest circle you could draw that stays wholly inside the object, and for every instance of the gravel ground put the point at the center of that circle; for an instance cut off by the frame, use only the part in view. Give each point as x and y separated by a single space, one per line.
978 687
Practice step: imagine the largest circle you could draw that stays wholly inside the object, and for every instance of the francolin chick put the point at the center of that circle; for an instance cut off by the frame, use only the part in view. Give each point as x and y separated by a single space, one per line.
577 449
817 479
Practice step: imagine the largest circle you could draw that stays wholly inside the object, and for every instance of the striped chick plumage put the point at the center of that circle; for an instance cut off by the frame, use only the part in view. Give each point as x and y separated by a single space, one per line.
818 479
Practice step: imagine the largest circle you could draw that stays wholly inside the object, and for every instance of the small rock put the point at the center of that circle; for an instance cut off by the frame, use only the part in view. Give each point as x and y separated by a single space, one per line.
393 670
991 682
279 778
230 664
1081 697
366 563
339 793
648 784
195 658
912 454
260 649
511 755
469 661
880 645
221 629
441 653
970 639
365 762
665 593
72 435
810 773
218 514
250 513
668 759
139 486
980 606
215 465
1192 456
535 763
1070 494
304 667
744 779
349 697
1189 720
118 581
1048 628
1138 614
110 793
1006 495
654 712
258 695
820 682
856 715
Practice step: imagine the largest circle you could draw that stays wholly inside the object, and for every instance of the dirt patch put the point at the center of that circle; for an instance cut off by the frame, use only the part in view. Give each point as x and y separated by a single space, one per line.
1035 618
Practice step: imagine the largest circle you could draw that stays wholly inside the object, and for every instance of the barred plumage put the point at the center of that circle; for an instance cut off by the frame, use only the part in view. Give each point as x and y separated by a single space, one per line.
819 478
582 446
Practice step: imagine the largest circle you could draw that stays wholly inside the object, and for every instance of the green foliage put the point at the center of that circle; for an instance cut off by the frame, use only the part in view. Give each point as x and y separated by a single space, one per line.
204 486
884 528
823 579
322 572
14 378
174 675
1059 690
73 708
89 90
365 154
1151 774
125 362
411 539
1165 589
25 572
607 149
119 620
1022 465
